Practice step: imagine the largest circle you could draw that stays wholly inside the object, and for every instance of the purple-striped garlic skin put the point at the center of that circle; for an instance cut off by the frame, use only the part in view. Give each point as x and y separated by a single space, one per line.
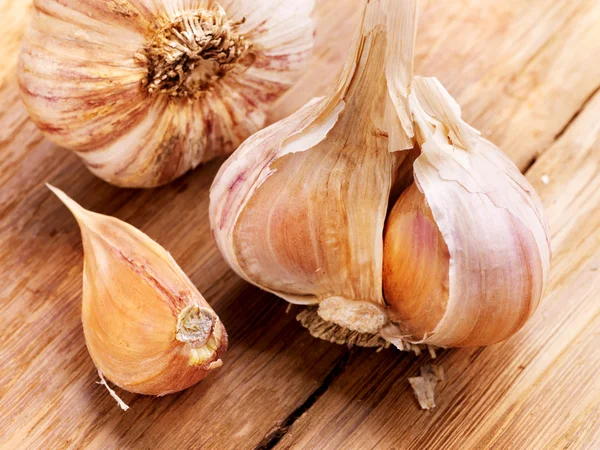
144 91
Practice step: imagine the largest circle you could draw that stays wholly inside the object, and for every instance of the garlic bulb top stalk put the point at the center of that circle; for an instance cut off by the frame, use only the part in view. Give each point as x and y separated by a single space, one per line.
146 326
300 208
144 91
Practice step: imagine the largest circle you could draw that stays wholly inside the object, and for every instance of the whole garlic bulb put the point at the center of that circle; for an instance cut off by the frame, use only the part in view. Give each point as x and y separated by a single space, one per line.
146 326
300 208
144 91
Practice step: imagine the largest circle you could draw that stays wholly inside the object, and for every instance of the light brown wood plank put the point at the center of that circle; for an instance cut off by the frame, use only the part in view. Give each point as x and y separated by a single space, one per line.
539 389
47 379
520 68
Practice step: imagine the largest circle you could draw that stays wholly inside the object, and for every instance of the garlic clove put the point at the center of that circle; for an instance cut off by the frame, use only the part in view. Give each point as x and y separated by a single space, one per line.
299 209
143 91
146 326
415 265
477 221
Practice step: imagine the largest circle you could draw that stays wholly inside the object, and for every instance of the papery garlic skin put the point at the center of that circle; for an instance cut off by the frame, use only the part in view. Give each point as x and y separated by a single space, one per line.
146 326
145 91
300 208
490 261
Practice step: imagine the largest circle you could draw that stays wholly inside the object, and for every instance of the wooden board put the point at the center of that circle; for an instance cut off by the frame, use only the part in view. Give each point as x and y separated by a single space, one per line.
525 73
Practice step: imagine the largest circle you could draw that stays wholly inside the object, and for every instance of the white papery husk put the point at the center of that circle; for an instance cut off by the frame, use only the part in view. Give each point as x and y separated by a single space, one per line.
491 220
81 77
299 209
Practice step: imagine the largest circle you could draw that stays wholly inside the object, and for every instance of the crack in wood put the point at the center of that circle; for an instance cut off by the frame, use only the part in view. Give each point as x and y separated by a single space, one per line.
576 114
529 164
272 439
564 129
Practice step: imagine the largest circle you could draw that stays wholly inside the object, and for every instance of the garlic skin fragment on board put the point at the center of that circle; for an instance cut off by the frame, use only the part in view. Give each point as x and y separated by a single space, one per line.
144 91
146 326
300 209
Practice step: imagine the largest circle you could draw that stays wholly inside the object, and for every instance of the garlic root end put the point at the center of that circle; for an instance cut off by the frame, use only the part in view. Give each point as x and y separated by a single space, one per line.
103 382
362 317
200 329
195 325
329 331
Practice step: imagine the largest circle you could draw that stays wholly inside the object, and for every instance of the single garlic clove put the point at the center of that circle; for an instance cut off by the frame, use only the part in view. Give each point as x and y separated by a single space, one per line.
467 251
299 209
146 326
145 91
415 265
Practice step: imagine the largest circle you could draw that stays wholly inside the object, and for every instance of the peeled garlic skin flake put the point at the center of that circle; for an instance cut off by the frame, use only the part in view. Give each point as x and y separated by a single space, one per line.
144 91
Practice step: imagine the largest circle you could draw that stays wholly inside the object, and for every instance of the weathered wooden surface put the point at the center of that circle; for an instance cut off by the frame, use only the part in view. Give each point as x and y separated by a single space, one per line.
525 73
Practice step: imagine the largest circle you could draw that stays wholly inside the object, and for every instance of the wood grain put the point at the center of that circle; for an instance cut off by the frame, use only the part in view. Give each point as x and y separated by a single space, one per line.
522 70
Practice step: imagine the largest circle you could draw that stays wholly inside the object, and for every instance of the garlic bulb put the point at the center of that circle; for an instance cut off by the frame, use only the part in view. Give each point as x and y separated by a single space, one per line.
300 208
146 326
144 91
